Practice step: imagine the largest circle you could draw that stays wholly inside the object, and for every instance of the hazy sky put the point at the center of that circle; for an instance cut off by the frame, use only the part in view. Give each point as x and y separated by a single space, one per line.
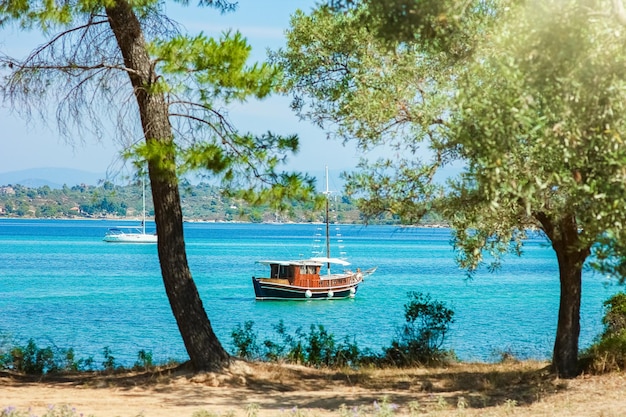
34 145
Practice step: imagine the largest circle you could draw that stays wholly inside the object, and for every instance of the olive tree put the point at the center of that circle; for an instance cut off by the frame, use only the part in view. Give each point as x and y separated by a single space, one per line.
126 61
529 96
542 132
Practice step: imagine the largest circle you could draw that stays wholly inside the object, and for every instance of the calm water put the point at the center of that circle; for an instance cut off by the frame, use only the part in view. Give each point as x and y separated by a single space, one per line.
62 286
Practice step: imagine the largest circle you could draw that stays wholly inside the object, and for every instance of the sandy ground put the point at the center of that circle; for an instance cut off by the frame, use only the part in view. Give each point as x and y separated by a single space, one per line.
249 389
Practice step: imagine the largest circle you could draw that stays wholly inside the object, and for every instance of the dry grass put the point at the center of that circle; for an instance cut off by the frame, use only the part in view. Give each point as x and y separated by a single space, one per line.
509 389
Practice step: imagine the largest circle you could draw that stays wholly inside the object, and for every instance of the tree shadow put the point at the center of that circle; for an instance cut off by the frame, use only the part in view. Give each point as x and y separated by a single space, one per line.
281 387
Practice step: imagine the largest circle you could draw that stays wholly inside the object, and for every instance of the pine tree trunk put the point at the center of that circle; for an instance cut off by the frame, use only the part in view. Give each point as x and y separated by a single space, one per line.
563 233
203 347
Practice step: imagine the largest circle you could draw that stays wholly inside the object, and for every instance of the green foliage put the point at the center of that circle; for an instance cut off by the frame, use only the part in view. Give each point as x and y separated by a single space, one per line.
545 97
144 360
218 67
447 27
320 348
109 360
608 353
420 341
245 341
31 359
317 348
423 334
614 319
289 348
608 257
344 78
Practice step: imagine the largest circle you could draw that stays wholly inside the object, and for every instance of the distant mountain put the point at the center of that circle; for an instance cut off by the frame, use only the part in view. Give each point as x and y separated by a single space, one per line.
57 177
52 177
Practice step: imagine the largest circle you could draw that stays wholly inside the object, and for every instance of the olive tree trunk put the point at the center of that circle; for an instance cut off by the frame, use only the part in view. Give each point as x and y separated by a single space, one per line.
203 347
571 256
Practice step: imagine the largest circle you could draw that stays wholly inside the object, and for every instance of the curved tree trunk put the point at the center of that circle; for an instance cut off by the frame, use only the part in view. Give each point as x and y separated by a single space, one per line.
203 347
563 233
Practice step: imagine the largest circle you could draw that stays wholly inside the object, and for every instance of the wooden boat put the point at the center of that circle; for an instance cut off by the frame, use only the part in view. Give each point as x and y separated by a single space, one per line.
306 279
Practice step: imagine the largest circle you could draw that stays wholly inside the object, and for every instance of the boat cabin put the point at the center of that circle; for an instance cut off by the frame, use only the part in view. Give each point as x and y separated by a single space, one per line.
304 272
293 272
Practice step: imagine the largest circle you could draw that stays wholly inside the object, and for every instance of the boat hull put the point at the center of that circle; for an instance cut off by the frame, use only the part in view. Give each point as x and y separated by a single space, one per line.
266 290
130 238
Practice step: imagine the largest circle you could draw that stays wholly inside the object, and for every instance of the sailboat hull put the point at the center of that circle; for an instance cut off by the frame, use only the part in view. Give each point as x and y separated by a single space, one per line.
116 235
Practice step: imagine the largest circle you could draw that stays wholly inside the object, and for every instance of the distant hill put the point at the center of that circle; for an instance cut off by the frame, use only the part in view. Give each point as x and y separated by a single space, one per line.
52 177
55 178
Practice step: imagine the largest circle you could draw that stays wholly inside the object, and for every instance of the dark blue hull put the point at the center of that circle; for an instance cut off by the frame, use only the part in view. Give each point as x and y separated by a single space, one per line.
265 290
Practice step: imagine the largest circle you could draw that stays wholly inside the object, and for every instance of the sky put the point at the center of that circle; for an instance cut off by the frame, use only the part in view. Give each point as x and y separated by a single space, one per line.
26 145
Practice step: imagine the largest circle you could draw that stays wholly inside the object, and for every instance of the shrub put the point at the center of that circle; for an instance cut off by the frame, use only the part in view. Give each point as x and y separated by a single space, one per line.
320 347
348 354
290 349
422 336
420 341
109 360
608 353
144 360
614 319
245 341
316 348
277 351
31 359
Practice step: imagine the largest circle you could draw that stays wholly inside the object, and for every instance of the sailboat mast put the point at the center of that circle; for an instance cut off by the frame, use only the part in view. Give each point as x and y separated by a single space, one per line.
143 223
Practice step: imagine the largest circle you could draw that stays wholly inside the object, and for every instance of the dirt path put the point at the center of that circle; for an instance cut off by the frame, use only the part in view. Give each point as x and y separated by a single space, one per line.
273 390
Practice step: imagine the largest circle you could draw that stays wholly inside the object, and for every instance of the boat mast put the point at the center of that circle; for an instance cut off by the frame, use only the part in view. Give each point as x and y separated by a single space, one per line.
143 222
327 193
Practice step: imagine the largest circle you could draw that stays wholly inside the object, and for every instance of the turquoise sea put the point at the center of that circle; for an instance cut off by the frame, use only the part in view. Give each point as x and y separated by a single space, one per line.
61 285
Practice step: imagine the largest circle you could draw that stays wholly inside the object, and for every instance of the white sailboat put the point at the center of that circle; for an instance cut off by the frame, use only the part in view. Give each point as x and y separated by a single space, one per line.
125 234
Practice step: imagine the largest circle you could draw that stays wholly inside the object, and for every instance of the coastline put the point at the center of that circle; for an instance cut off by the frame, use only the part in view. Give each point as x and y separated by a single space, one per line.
151 219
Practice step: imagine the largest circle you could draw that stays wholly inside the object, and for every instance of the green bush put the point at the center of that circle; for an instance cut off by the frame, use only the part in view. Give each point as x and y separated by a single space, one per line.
289 349
144 360
278 351
614 319
316 348
608 353
245 341
421 338
109 363
420 341
31 359
320 347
